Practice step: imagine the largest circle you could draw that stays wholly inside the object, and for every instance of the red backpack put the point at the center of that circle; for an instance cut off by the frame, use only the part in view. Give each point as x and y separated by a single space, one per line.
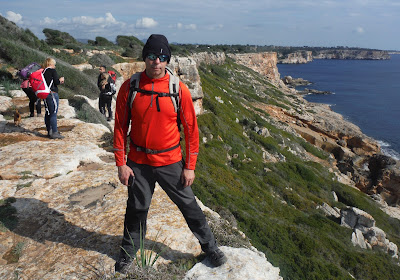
39 85
112 75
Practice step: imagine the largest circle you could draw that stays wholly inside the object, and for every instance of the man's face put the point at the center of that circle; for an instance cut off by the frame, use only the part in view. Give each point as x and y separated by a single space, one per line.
102 70
155 69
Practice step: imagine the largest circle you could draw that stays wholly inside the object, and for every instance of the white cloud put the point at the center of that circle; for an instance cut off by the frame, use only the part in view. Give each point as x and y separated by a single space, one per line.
146 22
101 21
110 19
47 21
360 30
215 27
16 18
191 26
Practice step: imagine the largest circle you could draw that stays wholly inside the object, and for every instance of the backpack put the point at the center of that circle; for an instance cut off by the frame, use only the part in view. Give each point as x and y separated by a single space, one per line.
25 72
112 75
173 94
39 85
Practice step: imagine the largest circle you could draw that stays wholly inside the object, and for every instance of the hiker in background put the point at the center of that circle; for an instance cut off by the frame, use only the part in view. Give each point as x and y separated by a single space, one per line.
33 100
52 100
155 152
106 86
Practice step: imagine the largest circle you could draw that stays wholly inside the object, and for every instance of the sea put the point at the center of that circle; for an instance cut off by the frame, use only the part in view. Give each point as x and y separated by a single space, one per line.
364 92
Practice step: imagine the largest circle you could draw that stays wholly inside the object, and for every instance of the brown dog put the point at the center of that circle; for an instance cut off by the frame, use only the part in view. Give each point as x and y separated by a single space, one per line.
17 118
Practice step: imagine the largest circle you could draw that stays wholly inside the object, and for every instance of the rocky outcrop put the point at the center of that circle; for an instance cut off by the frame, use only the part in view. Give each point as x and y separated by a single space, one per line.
365 233
186 69
263 63
295 82
385 178
127 69
351 54
295 57
314 91
83 66
256 267
217 58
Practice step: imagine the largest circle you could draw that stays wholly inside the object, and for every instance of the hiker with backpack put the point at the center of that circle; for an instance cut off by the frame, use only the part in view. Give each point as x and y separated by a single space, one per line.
33 100
51 102
106 85
146 104
24 74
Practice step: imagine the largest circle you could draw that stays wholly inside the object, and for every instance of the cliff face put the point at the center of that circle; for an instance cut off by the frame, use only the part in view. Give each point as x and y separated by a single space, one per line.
296 57
209 58
308 56
352 54
263 63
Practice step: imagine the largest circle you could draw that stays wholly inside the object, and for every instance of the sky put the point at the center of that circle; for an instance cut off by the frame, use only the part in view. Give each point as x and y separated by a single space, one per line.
324 23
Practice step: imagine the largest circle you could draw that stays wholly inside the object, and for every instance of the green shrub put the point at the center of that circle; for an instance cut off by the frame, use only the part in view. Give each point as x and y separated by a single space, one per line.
128 41
101 59
56 37
101 41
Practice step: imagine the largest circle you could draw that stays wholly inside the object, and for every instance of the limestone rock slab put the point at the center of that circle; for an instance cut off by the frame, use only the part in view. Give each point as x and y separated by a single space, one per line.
242 264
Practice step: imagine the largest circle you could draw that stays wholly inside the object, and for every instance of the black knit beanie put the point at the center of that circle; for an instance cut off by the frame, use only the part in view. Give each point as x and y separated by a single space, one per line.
157 44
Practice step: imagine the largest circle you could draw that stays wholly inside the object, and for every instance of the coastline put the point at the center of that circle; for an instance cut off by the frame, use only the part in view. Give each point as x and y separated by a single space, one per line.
371 106
357 159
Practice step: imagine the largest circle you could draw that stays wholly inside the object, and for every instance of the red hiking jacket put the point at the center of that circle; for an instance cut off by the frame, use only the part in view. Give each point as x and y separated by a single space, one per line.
152 129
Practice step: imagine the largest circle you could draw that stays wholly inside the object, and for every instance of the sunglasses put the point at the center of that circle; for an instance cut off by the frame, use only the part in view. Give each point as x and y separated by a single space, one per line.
161 57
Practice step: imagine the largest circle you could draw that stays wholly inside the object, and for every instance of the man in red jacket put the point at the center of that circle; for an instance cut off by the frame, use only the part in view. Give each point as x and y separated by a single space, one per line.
155 153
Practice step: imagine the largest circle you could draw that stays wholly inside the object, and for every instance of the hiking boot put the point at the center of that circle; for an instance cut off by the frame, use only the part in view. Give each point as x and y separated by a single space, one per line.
217 257
123 265
56 135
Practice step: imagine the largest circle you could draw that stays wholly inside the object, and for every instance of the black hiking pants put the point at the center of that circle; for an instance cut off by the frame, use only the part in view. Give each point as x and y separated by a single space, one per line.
105 101
33 101
139 198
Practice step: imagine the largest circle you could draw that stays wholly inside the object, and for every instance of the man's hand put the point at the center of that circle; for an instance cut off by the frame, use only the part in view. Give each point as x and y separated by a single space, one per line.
124 172
187 177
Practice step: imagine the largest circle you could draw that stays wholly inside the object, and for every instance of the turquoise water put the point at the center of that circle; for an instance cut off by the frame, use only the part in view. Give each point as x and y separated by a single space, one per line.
365 92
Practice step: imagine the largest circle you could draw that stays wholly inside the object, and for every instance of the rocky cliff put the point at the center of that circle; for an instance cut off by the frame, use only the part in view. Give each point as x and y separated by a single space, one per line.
351 54
296 57
308 56
263 63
